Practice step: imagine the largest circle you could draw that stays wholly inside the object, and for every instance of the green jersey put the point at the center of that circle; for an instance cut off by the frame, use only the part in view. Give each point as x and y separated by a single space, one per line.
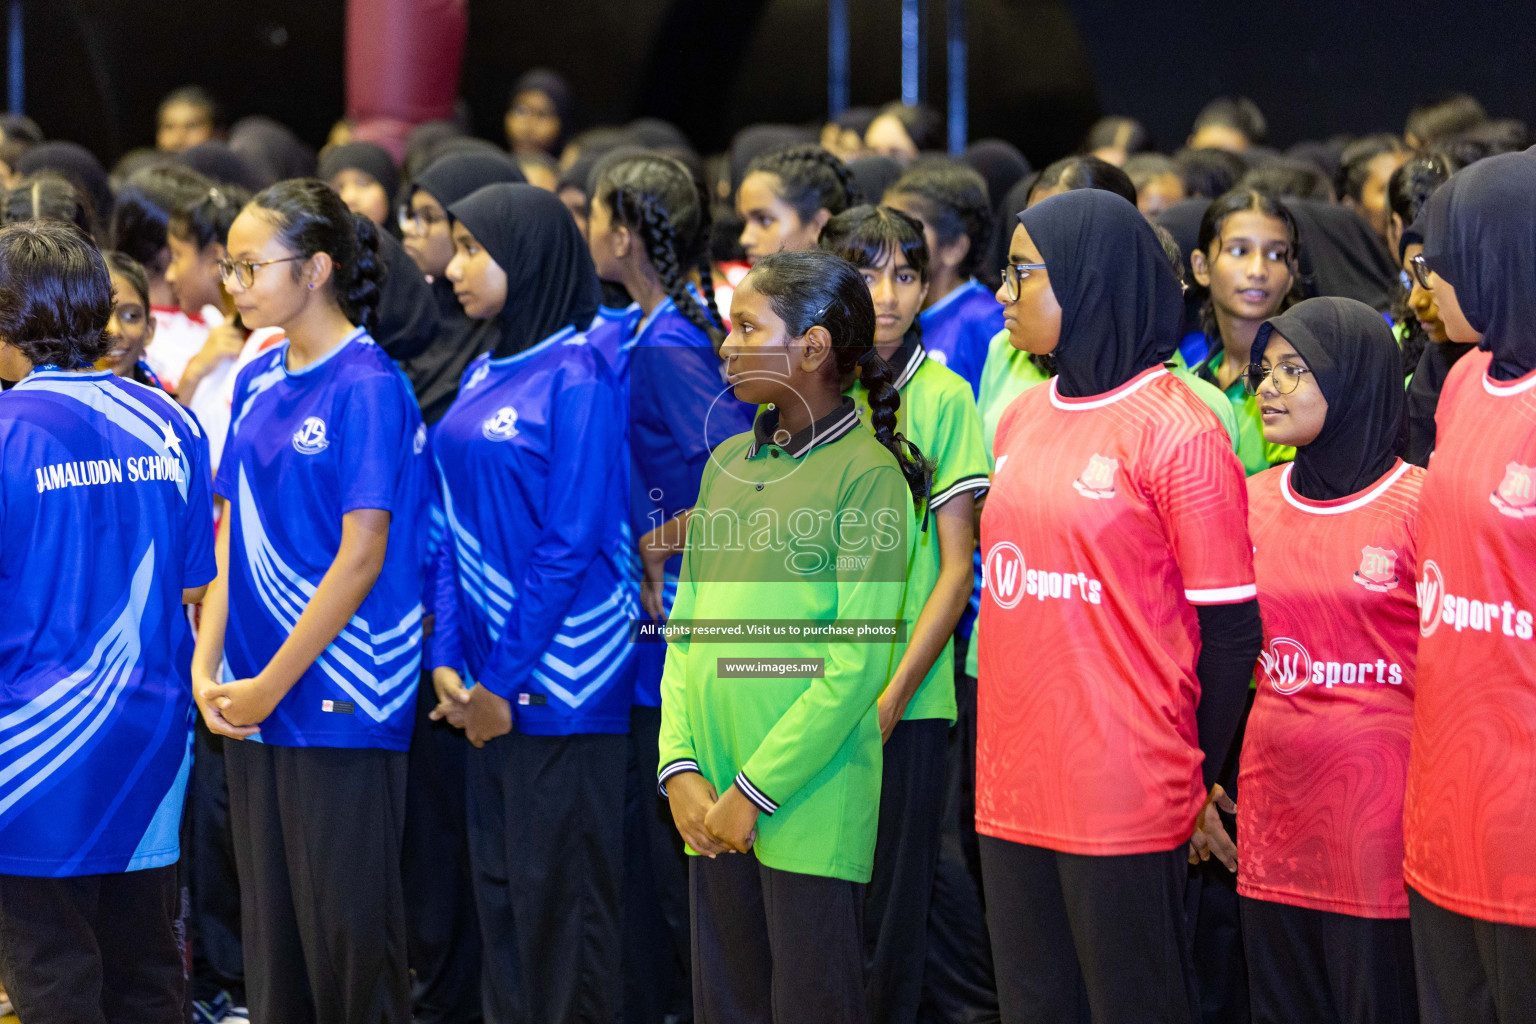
816 528
938 415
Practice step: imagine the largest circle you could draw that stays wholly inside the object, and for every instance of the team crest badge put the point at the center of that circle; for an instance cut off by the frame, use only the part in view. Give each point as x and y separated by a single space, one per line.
1516 493
500 425
1378 569
310 438
1098 479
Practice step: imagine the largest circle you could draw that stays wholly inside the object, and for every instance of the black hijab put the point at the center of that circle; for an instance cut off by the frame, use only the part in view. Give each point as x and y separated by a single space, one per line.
1121 305
551 282
1356 362
999 163
553 85
370 158
453 176
406 319
259 137
1480 235
1341 254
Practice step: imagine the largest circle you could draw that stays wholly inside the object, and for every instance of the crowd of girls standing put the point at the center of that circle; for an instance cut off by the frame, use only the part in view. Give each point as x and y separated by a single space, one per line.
1243 732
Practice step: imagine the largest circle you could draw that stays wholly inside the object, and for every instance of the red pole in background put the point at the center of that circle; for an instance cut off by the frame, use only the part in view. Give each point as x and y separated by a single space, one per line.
403 61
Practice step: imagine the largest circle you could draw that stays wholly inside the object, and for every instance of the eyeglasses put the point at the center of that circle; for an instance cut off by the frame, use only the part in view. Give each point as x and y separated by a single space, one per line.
244 271
1286 377
1420 271
418 222
1013 273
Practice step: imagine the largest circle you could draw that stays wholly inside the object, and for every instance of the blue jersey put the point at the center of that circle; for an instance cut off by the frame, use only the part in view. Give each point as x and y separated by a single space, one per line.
106 517
959 327
680 408
304 449
535 597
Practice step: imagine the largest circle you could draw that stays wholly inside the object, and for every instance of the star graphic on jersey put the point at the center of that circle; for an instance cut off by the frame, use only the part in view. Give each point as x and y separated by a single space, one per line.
172 442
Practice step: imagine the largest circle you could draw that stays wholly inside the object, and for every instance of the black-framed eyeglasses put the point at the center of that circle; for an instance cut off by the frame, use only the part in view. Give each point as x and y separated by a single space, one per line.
1286 375
1420 271
1013 273
244 271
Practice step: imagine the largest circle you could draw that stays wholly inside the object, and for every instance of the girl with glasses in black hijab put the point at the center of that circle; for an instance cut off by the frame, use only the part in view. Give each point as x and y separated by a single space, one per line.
1470 812
1118 627
1325 751
424 224
531 655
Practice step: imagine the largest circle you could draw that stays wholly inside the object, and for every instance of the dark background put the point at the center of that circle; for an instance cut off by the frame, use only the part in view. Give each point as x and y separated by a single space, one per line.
1040 70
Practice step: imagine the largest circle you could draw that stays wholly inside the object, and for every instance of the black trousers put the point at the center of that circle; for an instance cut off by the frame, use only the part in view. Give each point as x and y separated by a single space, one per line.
906 856
1326 968
1078 938
317 840
94 949
442 935
958 986
656 970
1471 971
1210 903
218 961
546 845
774 947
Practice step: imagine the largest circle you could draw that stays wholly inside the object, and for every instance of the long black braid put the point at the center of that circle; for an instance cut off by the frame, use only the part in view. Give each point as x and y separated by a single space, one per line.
816 287
810 179
656 197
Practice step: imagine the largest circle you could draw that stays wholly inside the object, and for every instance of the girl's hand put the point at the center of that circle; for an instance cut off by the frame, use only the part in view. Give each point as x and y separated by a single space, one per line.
241 704
451 697
691 798
1210 838
213 717
486 716
892 707
733 821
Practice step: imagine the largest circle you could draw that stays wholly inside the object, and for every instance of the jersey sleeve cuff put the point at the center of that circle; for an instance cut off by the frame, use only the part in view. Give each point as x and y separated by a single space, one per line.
671 768
495 685
758 797
978 484
1222 595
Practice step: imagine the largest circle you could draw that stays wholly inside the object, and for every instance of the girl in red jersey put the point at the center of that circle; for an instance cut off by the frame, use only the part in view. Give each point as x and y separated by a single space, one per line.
1118 627
1470 812
1325 755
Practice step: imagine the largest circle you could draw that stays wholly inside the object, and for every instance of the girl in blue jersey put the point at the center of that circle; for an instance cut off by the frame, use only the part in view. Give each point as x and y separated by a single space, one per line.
534 602
648 225
960 314
316 616
95 718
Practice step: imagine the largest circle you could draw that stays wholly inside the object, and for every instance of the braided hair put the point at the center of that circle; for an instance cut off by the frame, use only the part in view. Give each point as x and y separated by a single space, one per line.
810 179
659 199
813 288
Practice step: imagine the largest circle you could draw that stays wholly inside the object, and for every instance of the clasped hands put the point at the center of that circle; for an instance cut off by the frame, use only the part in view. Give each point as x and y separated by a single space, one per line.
480 713
709 823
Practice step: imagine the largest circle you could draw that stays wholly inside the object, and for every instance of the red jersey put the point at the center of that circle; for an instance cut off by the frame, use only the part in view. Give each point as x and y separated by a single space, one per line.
1325 757
1470 816
1109 517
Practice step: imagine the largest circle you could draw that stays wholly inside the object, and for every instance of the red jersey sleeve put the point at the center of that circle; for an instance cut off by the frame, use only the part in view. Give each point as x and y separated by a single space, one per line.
1202 497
